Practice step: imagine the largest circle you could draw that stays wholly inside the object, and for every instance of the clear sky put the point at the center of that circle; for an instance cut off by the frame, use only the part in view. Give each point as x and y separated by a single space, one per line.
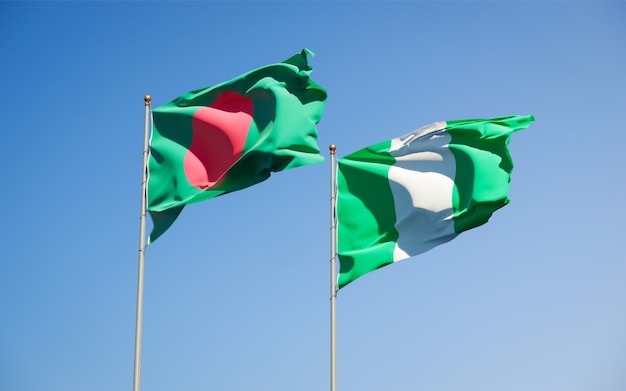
237 291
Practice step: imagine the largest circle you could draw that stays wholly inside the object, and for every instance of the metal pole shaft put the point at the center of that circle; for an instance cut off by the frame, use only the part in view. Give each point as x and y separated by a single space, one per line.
142 247
333 271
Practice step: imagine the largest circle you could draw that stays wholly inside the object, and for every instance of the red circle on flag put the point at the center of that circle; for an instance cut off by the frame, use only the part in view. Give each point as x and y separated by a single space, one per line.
219 136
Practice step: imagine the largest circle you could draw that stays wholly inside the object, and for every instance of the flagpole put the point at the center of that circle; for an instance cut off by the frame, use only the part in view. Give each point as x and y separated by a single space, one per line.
142 247
333 270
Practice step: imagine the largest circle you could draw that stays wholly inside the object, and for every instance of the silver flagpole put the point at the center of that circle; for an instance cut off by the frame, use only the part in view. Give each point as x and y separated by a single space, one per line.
333 270
142 247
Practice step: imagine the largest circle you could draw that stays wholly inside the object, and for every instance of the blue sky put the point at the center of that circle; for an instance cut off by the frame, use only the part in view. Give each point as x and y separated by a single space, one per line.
237 291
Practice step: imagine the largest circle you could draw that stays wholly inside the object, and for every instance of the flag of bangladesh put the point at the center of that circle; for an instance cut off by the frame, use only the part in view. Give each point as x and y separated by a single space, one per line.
224 138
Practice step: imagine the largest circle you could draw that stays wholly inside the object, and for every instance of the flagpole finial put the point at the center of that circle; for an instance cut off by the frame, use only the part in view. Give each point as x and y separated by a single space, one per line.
147 99
332 148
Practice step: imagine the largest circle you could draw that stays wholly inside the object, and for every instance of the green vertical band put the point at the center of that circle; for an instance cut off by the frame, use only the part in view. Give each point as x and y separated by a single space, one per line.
484 167
365 212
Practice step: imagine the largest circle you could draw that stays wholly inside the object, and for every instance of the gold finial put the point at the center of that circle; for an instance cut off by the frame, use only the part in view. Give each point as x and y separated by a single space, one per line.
332 148
147 99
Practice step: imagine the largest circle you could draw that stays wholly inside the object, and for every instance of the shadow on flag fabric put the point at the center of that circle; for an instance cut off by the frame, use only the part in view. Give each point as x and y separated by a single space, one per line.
224 138
402 197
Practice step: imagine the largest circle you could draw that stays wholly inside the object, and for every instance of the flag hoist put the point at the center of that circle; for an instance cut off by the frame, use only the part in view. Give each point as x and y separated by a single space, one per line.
402 197
216 140
333 268
142 245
